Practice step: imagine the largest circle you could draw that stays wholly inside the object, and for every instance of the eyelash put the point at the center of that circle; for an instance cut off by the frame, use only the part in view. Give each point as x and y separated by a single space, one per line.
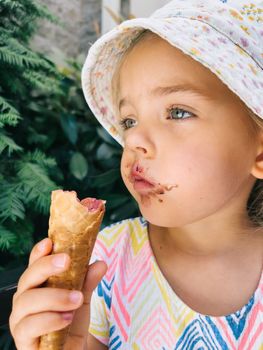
123 121
174 107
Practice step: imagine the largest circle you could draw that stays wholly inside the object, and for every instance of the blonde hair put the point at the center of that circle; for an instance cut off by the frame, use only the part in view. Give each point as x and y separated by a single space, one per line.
255 200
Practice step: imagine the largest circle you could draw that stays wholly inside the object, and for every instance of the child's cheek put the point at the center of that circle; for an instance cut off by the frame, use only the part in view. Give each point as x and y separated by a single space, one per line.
125 168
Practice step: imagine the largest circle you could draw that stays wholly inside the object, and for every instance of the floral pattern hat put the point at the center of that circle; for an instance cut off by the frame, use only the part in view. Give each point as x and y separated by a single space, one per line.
226 36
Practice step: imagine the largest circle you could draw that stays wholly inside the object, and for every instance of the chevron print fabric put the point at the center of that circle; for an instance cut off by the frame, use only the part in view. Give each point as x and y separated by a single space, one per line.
135 308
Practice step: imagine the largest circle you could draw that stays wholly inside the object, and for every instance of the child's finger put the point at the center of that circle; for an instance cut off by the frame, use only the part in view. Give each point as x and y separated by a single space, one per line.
36 325
95 273
40 270
48 299
40 249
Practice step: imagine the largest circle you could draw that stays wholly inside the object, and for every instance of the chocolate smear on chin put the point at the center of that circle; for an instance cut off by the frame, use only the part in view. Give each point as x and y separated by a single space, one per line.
156 192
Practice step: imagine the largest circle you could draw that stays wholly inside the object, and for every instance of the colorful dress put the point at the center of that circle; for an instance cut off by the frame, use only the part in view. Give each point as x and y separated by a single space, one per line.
135 308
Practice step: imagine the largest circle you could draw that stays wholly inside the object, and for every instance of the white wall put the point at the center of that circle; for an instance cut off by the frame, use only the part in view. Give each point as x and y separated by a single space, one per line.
138 8
141 8
107 23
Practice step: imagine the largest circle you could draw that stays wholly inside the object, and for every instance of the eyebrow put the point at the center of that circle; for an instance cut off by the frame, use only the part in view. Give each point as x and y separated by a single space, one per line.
167 90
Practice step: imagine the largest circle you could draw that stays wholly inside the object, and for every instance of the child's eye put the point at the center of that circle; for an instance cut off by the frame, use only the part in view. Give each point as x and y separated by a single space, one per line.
173 112
127 123
177 113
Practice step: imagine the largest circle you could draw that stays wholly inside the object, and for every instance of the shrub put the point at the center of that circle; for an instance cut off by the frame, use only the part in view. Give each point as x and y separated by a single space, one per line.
49 139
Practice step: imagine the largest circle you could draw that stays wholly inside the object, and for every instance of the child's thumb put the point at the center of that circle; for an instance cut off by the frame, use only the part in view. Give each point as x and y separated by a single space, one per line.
94 275
79 327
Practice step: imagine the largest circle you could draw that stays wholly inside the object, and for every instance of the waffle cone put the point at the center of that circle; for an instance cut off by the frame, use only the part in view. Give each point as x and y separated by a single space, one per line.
73 228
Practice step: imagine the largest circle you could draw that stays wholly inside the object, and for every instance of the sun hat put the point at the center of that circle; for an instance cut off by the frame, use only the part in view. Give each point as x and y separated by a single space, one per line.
226 36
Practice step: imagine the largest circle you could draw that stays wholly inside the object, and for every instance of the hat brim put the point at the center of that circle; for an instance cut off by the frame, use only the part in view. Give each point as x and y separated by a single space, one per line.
195 38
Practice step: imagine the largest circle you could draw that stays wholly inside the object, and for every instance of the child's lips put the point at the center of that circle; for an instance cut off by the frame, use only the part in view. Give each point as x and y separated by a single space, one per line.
147 186
140 183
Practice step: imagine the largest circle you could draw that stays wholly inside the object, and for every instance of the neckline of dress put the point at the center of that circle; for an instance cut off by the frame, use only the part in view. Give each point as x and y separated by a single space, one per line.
253 299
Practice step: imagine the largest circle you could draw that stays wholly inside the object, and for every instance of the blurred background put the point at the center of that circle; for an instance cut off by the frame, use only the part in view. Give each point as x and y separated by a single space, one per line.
49 138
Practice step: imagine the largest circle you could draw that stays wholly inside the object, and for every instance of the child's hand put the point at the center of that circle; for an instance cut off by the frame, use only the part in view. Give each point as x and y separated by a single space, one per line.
37 311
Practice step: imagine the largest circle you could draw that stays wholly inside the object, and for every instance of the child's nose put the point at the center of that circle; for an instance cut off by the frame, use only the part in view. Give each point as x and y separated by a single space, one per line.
141 143
141 150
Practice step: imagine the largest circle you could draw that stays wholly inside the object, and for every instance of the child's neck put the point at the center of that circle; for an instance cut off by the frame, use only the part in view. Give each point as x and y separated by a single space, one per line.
207 269
202 240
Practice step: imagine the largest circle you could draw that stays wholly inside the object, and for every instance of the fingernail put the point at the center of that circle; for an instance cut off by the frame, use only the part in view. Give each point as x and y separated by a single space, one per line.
59 260
67 316
42 245
75 296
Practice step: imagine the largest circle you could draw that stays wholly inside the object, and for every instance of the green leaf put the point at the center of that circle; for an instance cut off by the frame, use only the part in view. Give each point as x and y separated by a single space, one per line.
23 230
15 54
89 146
9 119
39 157
106 151
69 126
105 136
11 202
127 210
6 238
41 81
111 163
8 114
36 185
78 166
7 142
106 178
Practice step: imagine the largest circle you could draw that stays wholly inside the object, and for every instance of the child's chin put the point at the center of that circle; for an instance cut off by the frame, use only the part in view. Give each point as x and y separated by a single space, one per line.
156 217
160 222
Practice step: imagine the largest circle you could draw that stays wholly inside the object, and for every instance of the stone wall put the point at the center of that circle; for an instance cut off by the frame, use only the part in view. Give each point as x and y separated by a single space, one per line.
90 25
81 22
82 25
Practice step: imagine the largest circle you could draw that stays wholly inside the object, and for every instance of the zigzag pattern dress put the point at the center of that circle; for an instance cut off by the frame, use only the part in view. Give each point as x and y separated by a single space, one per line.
135 308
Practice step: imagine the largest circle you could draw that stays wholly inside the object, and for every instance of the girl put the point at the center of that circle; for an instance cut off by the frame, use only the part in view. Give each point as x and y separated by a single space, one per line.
181 91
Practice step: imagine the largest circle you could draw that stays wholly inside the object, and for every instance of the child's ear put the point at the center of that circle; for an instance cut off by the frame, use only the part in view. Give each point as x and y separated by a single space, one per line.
257 170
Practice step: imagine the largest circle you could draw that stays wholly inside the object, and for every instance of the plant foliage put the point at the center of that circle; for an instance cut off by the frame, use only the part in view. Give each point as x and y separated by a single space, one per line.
24 170
49 138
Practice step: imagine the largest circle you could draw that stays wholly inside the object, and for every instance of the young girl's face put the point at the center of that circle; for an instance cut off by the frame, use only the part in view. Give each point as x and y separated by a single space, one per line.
188 155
